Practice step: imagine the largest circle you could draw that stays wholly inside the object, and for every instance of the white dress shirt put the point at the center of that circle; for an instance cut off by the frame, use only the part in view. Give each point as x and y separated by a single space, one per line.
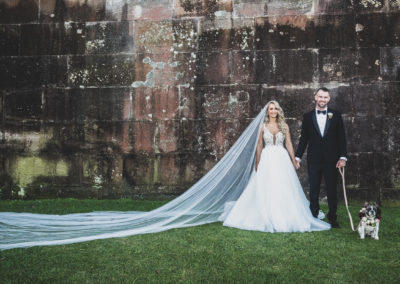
321 119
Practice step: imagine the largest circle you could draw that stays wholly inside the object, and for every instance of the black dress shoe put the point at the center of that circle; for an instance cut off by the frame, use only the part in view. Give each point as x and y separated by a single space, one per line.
334 224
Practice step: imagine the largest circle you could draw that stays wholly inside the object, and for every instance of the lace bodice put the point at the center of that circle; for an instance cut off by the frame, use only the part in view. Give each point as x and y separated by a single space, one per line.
270 139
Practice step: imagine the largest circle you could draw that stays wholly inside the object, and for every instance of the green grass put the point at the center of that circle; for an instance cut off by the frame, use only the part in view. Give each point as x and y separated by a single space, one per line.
208 253
71 205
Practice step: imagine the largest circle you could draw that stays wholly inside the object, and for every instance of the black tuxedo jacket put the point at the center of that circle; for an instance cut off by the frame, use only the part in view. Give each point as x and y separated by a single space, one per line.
328 147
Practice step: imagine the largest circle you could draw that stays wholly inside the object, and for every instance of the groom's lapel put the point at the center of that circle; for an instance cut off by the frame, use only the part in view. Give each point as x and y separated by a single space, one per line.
314 118
328 123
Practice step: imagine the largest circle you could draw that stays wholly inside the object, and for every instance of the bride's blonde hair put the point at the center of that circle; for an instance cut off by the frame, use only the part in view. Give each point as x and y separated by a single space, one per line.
280 118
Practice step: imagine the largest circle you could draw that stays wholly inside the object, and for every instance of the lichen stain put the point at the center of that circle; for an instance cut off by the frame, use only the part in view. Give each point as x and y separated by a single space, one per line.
33 141
359 28
238 103
185 36
395 3
26 169
115 8
155 34
117 171
189 5
94 45
186 103
21 192
100 73
137 11
244 38
159 71
328 68
92 172
212 103
202 7
369 3
97 181
81 77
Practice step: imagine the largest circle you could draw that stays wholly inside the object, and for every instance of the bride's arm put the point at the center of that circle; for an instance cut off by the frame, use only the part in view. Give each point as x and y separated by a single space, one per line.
259 145
289 145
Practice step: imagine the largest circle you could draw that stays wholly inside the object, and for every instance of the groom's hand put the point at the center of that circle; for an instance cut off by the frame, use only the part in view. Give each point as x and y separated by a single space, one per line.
341 163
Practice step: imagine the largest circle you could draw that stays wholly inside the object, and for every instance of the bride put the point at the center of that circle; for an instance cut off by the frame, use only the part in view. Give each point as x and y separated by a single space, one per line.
273 200
268 199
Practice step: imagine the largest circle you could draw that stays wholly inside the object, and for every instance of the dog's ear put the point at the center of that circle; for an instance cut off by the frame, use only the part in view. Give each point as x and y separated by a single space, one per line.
376 204
365 204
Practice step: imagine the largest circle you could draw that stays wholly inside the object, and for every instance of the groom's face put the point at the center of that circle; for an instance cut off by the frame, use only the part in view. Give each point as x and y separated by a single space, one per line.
322 98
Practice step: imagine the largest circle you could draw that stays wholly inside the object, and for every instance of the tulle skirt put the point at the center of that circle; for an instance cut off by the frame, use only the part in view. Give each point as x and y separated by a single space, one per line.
273 200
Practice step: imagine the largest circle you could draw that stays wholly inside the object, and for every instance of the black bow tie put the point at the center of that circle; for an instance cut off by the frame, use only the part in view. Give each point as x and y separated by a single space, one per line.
321 111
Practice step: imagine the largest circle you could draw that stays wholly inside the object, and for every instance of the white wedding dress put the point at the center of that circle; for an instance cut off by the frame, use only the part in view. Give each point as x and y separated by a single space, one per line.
273 200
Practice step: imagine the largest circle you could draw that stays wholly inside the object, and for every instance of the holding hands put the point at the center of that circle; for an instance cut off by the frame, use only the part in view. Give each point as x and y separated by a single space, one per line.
296 164
341 163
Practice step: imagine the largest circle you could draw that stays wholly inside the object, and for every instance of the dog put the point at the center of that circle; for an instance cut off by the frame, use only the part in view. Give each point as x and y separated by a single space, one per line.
370 217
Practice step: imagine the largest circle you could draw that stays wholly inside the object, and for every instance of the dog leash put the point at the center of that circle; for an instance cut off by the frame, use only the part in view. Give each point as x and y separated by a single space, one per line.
341 170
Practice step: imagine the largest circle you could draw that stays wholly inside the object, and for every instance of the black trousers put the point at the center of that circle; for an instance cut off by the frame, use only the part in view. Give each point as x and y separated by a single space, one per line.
330 173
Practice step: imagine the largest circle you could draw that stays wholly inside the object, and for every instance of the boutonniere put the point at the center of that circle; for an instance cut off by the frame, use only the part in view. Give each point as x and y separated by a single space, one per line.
330 115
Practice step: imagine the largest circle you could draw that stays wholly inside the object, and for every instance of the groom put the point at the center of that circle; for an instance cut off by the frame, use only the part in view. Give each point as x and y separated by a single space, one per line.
323 131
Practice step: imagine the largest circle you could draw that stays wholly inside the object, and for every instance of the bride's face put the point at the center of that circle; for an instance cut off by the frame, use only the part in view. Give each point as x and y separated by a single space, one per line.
272 111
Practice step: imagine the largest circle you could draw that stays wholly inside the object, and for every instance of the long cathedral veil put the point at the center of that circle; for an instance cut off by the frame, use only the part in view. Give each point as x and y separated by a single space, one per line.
202 203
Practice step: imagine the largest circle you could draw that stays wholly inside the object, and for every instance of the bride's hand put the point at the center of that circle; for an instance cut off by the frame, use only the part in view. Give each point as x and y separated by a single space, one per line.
296 164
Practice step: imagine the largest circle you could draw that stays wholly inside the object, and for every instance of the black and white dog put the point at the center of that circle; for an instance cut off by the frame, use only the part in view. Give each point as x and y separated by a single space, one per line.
370 217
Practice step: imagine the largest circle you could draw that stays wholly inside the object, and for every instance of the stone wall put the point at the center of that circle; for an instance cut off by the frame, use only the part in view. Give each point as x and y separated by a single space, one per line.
113 98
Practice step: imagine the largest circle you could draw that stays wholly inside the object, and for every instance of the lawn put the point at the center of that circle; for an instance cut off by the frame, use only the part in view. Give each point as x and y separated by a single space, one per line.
208 253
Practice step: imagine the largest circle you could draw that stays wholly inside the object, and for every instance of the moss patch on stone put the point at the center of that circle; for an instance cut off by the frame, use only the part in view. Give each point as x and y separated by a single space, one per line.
26 169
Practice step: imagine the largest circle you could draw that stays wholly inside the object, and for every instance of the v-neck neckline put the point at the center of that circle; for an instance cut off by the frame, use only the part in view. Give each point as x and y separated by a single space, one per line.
271 132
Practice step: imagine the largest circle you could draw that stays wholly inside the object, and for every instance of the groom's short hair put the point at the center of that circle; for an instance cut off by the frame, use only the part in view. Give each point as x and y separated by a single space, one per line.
322 89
